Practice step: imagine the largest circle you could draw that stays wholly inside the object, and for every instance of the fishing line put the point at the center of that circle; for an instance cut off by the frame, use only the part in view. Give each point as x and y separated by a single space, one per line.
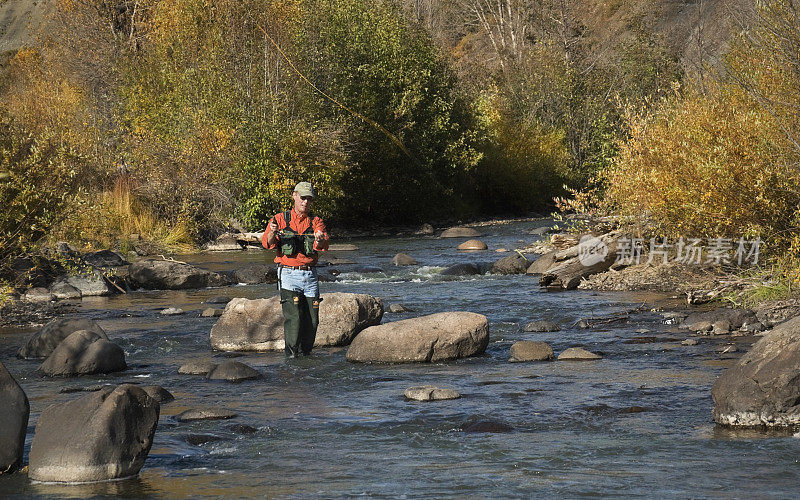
351 111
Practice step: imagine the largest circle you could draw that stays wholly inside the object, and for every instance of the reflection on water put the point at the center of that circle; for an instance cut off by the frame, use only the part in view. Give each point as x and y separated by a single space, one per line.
635 422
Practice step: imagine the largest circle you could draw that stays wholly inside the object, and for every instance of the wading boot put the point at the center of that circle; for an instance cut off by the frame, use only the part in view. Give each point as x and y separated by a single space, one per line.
308 324
291 304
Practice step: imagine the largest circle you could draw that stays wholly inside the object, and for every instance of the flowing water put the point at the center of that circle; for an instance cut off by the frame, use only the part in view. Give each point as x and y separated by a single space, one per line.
638 422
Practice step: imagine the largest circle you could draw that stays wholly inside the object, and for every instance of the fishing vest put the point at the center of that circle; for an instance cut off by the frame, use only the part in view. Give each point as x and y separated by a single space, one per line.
293 242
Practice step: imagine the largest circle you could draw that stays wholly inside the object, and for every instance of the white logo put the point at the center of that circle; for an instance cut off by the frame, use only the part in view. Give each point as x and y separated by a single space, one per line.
591 250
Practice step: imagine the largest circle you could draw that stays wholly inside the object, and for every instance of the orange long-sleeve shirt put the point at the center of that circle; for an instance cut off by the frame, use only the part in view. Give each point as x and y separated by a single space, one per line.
299 223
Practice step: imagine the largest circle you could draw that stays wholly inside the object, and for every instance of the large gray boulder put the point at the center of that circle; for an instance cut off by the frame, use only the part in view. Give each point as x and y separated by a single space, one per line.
14 412
763 387
84 353
437 337
257 325
42 343
154 274
100 436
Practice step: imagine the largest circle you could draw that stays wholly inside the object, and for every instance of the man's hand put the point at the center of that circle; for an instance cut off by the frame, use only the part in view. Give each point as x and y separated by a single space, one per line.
272 227
319 236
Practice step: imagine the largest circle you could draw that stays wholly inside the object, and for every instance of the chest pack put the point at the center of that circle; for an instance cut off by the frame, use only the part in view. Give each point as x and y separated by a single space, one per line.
293 242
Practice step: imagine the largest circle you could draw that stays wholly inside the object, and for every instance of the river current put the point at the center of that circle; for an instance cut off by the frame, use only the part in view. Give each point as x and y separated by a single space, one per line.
638 422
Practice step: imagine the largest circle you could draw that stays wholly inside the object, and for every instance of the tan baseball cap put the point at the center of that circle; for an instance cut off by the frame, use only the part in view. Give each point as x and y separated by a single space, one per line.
305 189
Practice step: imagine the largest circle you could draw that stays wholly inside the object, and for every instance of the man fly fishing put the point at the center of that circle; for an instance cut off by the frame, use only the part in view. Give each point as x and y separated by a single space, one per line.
298 237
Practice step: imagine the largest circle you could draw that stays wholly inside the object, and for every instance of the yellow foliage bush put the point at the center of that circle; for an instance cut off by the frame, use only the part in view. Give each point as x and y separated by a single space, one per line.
714 164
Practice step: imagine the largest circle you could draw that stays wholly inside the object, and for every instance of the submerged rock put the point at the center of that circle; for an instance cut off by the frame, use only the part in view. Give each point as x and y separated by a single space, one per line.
402 259
257 325
197 368
526 350
211 312
399 308
243 429
763 387
205 414
100 436
84 353
485 426
233 371
436 337
541 326
14 413
464 269
430 393
153 274
172 311
578 354
201 439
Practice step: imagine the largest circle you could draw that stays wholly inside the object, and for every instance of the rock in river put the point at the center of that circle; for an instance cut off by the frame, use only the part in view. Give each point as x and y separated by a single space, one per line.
42 343
430 393
233 371
402 259
763 387
460 232
436 337
719 321
14 412
541 327
83 353
527 350
542 264
512 264
158 393
473 245
465 269
205 414
257 325
197 368
154 274
100 436
578 354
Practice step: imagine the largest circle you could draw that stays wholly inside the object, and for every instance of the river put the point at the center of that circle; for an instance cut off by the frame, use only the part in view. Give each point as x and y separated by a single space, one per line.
638 422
